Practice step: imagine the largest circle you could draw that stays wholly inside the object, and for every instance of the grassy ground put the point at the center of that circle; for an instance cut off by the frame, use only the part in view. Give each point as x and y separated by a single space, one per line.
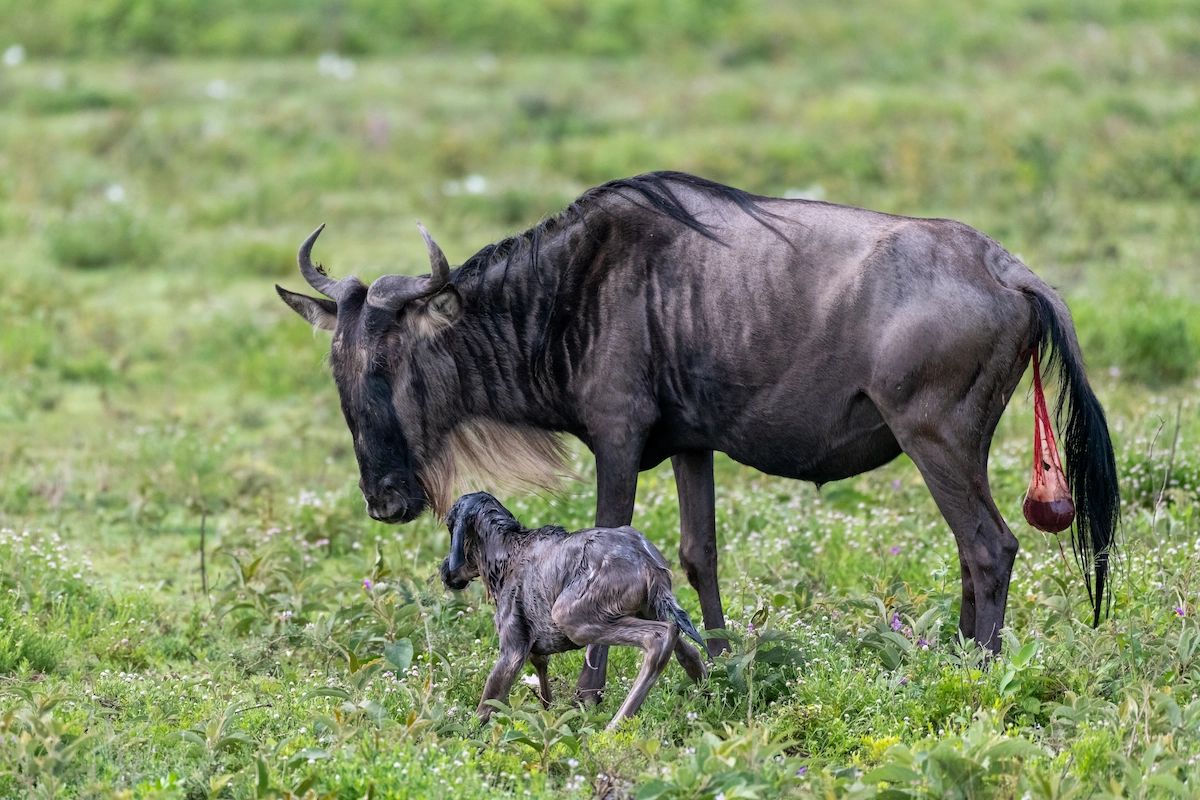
152 385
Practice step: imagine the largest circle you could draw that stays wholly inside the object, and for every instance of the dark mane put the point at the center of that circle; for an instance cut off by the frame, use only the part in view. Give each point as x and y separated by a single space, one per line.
653 191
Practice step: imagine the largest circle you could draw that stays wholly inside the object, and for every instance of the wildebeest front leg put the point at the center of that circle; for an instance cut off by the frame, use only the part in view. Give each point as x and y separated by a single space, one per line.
966 617
616 489
698 535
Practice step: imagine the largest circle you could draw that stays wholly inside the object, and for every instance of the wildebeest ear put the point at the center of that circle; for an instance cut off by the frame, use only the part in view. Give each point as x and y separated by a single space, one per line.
440 311
458 554
319 312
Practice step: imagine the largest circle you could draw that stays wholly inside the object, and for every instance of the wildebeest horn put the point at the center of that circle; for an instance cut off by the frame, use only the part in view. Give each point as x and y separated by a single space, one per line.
391 292
439 267
315 274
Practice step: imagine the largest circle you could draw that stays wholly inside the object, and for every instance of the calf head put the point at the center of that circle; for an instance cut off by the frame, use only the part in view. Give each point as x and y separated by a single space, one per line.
388 367
462 565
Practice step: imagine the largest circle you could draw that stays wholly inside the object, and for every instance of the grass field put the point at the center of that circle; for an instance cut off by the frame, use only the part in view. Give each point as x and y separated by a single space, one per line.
153 387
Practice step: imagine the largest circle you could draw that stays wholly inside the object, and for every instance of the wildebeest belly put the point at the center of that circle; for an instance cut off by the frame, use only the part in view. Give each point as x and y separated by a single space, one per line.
822 445
809 435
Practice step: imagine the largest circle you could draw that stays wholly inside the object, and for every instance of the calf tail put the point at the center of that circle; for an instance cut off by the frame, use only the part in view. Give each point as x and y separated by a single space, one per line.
667 609
1088 461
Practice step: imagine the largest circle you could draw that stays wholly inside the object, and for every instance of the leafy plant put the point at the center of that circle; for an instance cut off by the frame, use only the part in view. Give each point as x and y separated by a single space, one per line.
720 764
548 733
967 768
758 666
275 591
267 787
1016 684
37 748
218 734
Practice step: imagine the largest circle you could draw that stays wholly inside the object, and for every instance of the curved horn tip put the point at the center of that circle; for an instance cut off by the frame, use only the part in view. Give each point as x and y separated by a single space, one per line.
312 237
315 274
425 235
439 265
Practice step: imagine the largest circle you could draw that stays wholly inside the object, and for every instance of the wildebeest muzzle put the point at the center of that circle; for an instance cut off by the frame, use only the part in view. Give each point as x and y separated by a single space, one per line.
388 501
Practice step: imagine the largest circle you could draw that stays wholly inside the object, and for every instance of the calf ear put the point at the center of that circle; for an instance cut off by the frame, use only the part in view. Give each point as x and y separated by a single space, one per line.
319 312
458 554
439 312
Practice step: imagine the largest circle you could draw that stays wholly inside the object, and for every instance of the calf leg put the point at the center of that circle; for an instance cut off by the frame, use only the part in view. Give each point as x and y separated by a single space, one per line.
657 639
502 677
698 535
542 664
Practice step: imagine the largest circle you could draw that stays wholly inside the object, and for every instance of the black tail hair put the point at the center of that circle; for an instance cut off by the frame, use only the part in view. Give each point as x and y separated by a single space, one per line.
667 608
1088 459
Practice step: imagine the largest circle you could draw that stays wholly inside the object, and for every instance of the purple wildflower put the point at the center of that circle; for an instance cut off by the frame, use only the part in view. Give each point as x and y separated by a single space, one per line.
802 770
1180 612
896 484
896 623
367 584
896 550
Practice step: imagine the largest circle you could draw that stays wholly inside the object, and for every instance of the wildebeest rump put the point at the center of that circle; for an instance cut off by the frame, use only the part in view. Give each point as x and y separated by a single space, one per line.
666 316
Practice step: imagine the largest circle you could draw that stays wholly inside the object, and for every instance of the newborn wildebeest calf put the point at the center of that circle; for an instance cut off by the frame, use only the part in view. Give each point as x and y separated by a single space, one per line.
557 591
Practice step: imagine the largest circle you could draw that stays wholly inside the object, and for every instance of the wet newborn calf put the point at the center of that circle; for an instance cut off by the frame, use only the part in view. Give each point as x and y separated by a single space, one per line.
557 591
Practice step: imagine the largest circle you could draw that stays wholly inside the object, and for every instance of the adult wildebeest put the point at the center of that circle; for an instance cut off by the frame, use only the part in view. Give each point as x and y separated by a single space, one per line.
669 316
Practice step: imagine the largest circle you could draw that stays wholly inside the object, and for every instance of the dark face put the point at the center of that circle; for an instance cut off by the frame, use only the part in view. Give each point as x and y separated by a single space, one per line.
383 364
370 368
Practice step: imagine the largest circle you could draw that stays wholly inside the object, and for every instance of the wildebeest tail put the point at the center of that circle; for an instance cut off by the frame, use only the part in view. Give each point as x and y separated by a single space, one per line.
667 609
1088 460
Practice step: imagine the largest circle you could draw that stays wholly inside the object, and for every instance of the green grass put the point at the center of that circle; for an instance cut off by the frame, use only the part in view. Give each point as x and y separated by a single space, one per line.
150 378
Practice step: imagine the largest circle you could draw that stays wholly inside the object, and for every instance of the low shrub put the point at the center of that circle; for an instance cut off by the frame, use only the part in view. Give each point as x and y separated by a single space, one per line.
255 257
102 237
1142 332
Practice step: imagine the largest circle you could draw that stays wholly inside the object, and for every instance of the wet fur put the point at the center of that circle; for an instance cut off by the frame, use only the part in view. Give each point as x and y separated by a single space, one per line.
557 591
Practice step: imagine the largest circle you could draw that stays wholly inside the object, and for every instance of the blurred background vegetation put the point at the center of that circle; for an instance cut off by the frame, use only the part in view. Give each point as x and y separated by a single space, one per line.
160 161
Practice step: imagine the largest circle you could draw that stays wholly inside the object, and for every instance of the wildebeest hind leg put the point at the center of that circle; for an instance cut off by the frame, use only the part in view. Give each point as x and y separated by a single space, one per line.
966 617
987 549
689 658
